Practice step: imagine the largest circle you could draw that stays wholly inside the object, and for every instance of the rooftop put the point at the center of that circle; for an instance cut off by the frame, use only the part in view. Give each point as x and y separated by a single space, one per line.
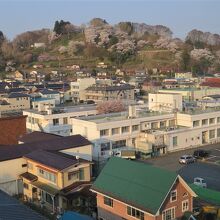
104 118
136 186
19 150
12 209
198 111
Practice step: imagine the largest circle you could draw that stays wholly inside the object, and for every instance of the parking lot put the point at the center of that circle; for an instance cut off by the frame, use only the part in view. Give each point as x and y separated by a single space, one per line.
208 169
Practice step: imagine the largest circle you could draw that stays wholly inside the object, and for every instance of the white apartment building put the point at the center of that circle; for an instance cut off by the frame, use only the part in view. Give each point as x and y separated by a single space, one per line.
79 87
115 131
56 120
165 102
183 75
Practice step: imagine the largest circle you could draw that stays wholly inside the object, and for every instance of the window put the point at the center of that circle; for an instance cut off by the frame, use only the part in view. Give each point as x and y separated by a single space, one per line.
135 127
171 123
162 124
81 174
115 131
65 121
118 144
185 194
24 165
55 121
175 141
47 175
211 134
185 205
135 213
204 121
211 121
25 185
173 195
154 125
125 129
196 123
104 132
218 120
218 132
105 146
169 214
73 175
108 201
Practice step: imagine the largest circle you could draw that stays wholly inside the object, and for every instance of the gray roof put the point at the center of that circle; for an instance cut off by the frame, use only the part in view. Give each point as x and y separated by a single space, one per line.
17 95
48 91
10 152
12 209
35 136
110 88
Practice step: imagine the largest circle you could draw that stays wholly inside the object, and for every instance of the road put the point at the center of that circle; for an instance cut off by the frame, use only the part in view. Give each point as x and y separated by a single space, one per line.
209 171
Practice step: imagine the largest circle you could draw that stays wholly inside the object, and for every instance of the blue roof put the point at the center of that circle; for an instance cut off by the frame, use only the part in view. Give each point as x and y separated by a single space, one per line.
12 209
69 215
39 99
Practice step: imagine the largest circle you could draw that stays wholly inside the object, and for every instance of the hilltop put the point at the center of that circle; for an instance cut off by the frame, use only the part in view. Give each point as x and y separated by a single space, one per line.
126 45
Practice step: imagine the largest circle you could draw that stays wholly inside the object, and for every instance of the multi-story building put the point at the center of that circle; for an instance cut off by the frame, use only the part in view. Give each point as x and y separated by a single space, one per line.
56 120
165 102
15 102
13 162
49 93
99 93
79 87
54 178
133 190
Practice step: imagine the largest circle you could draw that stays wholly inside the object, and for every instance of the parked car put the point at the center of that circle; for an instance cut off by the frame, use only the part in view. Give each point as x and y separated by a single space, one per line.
200 154
186 159
200 182
126 154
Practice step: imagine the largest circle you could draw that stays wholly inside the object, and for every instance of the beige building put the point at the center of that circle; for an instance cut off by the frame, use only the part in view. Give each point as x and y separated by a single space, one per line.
56 120
100 93
15 102
183 75
192 94
78 88
165 102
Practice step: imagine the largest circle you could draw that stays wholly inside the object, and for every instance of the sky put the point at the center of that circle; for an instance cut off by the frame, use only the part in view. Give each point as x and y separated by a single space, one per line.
181 16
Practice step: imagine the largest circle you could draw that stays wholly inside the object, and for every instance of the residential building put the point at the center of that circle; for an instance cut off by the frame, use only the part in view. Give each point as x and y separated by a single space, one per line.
12 126
54 178
15 102
165 102
185 75
37 102
79 87
49 93
192 94
56 120
139 193
13 162
98 93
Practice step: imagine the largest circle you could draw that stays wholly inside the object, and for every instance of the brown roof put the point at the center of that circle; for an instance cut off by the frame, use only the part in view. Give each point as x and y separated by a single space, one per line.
52 159
36 136
19 150
29 176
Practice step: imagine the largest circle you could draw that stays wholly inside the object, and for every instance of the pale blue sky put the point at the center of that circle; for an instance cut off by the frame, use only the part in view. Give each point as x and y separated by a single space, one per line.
181 16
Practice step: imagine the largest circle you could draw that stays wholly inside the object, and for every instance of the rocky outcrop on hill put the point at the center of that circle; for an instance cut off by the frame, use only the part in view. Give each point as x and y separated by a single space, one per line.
196 36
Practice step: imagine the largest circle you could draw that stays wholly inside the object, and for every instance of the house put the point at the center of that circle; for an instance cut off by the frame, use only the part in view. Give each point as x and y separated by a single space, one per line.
52 94
78 88
15 101
55 178
13 158
100 93
145 192
183 75
37 101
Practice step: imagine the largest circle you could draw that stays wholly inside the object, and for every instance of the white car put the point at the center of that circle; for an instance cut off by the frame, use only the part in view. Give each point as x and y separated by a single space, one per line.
200 182
185 159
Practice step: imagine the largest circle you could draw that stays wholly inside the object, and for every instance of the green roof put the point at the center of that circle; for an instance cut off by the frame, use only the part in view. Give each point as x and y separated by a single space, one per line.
207 195
140 185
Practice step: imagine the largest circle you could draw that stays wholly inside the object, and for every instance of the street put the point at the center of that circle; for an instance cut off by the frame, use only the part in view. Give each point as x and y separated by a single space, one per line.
208 169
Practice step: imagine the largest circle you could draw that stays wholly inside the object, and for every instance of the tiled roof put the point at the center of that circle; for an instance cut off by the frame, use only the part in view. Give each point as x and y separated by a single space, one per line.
11 209
16 151
48 91
110 88
17 95
140 185
35 136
